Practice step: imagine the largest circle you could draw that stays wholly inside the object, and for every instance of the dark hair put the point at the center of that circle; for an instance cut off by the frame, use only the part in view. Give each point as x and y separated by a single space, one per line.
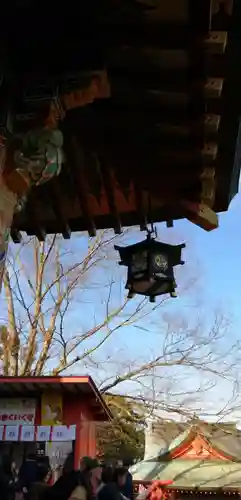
42 471
68 464
127 462
107 475
66 484
119 472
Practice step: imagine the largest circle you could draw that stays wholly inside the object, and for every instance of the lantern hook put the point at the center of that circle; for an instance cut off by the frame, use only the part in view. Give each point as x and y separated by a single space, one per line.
151 232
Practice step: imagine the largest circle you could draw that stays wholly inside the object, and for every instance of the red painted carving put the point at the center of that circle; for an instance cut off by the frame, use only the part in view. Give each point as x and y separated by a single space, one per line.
197 448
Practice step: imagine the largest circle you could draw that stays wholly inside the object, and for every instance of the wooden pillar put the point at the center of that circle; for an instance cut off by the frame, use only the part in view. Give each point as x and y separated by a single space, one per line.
7 205
85 443
77 447
92 439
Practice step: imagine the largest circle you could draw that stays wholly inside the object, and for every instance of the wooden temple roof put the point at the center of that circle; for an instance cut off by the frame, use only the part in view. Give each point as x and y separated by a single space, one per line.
79 387
196 459
165 138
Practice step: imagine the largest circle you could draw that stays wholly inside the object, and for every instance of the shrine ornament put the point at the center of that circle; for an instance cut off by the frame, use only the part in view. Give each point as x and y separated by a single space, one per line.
150 266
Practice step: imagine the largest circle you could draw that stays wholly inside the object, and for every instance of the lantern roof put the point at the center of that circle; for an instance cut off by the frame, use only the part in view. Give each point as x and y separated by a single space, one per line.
154 246
163 128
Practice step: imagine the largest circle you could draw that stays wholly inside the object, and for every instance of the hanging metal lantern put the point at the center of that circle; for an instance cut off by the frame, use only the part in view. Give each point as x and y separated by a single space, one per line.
150 266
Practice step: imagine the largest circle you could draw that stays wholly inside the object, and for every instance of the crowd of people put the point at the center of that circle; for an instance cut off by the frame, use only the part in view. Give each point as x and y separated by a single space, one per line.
92 481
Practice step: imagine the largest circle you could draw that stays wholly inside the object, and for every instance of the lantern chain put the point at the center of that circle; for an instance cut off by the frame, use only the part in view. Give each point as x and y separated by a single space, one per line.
152 231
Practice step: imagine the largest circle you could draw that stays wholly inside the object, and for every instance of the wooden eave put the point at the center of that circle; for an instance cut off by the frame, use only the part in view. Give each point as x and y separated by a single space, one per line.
173 112
184 446
80 386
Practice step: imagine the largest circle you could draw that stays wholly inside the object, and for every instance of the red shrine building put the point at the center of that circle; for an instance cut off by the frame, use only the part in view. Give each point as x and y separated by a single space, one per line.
50 416
203 460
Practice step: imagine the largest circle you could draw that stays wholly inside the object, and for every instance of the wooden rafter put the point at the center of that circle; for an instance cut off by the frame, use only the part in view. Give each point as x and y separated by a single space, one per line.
163 131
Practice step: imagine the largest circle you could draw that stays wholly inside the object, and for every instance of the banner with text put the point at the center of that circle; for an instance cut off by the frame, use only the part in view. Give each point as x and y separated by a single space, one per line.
39 433
17 411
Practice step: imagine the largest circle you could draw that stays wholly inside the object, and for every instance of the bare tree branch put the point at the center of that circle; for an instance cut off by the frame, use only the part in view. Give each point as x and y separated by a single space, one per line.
13 337
51 328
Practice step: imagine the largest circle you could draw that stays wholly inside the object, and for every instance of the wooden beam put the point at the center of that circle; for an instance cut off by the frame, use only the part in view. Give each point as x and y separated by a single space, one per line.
134 57
101 221
136 105
80 187
211 124
228 160
213 88
141 205
163 35
56 199
200 16
133 129
216 42
146 78
169 159
153 66
109 188
119 117
150 96
154 139
172 104
209 152
33 217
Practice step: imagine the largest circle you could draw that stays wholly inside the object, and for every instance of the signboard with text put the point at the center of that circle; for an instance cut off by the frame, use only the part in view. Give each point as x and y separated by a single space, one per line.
38 433
17 411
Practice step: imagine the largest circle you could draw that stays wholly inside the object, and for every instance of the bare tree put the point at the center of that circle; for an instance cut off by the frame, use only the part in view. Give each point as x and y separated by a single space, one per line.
65 309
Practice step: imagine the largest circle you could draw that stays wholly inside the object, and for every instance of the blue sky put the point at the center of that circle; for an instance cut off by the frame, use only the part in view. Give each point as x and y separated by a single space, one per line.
219 252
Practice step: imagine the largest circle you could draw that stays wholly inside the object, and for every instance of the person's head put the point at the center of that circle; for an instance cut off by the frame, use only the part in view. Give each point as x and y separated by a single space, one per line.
43 472
92 470
95 471
92 466
107 475
120 476
84 463
66 484
68 464
127 462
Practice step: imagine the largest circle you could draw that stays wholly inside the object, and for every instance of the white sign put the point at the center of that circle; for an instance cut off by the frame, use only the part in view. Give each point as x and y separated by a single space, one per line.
61 433
17 411
11 433
43 433
31 433
1 432
58 452
27 433
72 432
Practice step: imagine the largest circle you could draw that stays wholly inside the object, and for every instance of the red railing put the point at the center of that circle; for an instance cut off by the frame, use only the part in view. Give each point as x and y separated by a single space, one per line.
156 490
140 486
